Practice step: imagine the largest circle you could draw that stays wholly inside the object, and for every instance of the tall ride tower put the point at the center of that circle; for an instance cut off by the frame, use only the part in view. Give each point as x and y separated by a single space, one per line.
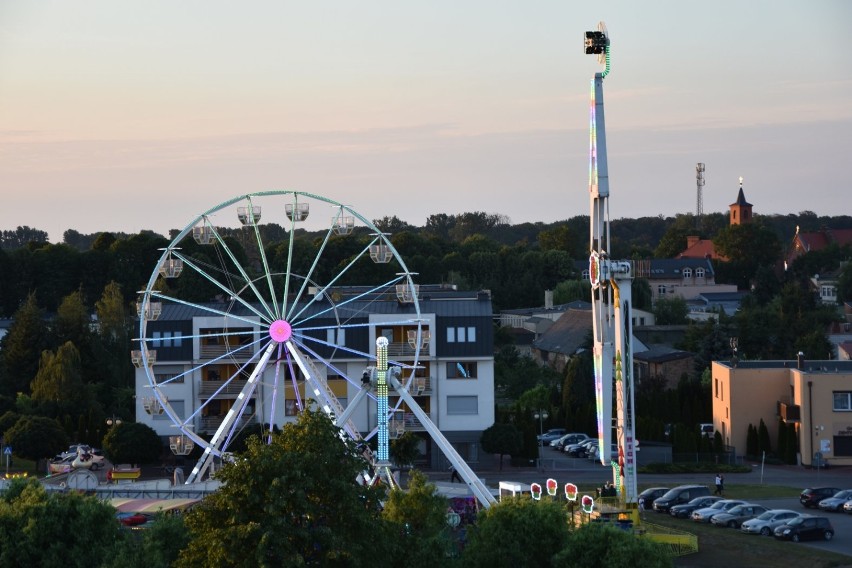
611 297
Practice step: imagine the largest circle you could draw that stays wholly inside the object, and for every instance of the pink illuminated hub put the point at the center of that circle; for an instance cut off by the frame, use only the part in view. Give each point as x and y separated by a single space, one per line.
280 331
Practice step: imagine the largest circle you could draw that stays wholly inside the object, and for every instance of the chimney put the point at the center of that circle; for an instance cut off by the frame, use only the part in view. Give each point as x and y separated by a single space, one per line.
548 299
800 361
692 240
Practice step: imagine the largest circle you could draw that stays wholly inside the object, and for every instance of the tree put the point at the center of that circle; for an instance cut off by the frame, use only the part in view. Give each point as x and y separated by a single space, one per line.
132 442
600 546
58 385
517 532
36 437
21 347
763 438
55 529
746 247
420 516
405 449
503 439
671 311
158 546
292 502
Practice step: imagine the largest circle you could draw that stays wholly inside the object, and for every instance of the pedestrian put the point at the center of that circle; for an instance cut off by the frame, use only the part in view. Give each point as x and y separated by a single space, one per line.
455 475
719 480
721 484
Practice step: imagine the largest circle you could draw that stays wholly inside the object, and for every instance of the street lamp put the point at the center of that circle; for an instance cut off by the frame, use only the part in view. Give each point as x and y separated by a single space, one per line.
541 416
113 421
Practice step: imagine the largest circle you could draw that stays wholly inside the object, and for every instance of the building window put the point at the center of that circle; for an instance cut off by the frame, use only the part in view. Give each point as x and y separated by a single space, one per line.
843 401
458 370
717 388
699 273
461 334
177 406
462 405
336 336
585 274
687 273
167 339
661 289
290 407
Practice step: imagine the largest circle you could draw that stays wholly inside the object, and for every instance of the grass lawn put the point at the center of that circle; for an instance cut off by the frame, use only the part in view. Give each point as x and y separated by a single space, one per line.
729 547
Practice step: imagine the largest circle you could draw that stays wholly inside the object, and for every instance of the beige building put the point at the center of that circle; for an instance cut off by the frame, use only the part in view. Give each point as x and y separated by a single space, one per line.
816 396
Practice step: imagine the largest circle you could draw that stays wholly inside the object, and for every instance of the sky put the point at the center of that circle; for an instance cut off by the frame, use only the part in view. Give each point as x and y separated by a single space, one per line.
127 116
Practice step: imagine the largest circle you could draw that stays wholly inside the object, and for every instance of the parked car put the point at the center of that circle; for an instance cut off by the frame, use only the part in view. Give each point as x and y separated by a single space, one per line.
679 495
765 523
571 438
836 501
736 516
685 510
805 527
550 435
810 497
704 515
646 498
579 450
847 506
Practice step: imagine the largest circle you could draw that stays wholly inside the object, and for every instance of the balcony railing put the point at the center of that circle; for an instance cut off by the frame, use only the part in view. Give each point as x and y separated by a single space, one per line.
397 350
213 351
402 422
230 390
210 424
421 386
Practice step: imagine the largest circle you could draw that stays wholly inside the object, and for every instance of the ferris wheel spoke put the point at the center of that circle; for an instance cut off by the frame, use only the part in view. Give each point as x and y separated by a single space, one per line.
337 306
272 405
264 261
313 266
222 287
205 308
233 414
336 278
239 268
294 380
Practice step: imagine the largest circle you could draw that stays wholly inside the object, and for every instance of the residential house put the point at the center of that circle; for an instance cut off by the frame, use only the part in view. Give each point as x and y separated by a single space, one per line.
453 384
815 396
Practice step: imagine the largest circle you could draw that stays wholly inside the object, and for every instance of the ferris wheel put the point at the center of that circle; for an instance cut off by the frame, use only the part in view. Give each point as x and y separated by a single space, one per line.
248 324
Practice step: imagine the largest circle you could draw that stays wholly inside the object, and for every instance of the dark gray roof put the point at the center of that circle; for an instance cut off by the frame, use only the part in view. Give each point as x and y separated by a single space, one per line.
445 307
662 268
568 333
661 354
813 366
577 304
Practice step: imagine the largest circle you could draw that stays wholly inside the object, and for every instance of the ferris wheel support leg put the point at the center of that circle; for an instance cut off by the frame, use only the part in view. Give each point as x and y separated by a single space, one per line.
479 490
233 415
350 408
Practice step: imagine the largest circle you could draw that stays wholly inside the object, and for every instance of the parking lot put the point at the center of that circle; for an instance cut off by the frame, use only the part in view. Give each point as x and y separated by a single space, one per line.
585 472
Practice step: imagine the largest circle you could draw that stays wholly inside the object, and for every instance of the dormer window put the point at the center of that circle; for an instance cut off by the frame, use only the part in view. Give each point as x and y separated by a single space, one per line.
699 273
687 273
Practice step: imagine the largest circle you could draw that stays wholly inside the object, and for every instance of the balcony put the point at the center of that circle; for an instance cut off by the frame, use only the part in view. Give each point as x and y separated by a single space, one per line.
213 351
206 389
789 413
403 350
404 421
209 424
421 386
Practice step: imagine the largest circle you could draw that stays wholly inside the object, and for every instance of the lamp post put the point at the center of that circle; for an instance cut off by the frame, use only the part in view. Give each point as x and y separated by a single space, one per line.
113 421
541 416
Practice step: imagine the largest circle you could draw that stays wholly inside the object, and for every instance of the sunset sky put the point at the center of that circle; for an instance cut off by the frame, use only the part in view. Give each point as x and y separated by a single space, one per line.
140 115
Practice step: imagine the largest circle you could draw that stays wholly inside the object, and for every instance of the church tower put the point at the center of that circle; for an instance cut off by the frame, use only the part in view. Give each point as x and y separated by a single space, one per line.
740 209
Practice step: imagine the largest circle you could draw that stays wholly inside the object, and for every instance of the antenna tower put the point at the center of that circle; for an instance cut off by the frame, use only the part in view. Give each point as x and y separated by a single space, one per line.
699 182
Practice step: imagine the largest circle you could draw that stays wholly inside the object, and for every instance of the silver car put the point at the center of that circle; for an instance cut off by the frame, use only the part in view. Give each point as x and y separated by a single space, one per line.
835 503
765 524
704 515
